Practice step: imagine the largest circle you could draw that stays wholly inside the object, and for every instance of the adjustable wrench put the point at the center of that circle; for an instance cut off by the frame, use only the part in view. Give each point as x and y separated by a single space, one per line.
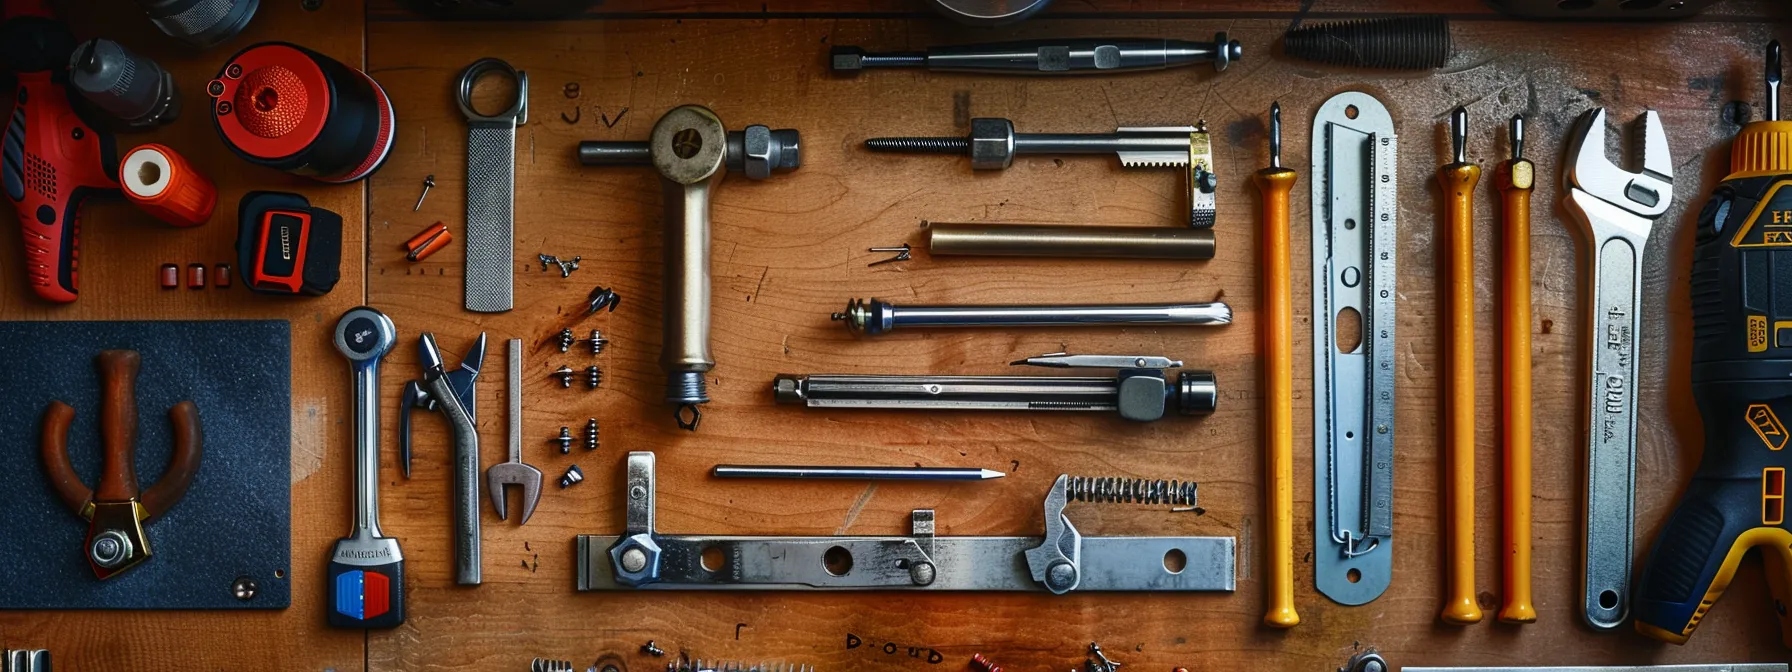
1617 208
366 585
514 472
451 393
693 150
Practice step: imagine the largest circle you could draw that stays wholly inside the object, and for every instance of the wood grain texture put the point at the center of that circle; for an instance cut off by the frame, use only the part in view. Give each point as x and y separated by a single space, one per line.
791 249
121 248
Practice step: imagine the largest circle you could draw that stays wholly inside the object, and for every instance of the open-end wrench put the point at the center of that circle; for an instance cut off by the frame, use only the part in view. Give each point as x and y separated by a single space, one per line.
450 391
514 472
366 584
1617 208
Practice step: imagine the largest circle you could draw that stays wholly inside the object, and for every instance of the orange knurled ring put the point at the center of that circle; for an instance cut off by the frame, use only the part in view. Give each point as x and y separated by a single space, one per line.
271 101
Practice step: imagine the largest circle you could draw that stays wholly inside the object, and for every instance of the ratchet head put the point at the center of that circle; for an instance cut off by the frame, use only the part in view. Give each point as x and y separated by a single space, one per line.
364 335
1646 194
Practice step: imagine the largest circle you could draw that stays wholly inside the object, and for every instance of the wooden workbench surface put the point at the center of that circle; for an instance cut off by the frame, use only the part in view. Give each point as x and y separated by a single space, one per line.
792 249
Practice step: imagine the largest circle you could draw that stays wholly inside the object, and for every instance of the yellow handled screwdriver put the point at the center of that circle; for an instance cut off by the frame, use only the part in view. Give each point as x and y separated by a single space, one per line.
1514 181
1458 180
1274 183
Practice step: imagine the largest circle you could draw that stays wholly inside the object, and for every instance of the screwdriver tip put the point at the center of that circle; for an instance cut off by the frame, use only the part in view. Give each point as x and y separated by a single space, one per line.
991 473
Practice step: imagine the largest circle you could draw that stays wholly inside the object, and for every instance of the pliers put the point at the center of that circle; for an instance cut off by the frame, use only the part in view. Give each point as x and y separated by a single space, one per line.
450 391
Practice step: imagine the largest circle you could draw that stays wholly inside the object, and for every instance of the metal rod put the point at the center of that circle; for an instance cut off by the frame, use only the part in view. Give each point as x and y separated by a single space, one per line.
855 473
1773 81
875 317
1050 240
1051 57
1193 393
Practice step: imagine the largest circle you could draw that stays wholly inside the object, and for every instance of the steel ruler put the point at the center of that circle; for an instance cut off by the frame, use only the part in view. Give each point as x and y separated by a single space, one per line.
1354 212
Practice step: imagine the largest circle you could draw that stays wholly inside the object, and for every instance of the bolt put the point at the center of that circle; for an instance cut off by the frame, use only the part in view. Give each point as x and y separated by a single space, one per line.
573 475
921 573
591 434
565 440
652 650
564 373
981 663
593 377
110 549
598 342
1060 576
244 588
566 340
634 560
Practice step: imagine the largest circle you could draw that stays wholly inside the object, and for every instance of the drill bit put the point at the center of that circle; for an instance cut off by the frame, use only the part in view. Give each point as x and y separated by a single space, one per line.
1773 80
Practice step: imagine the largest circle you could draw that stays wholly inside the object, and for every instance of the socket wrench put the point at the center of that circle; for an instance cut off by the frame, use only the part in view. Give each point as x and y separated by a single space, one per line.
693 150
366 577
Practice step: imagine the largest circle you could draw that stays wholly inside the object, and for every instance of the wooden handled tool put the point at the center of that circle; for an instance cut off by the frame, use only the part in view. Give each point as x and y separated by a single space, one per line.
1274 183
118 507
1514 181
1457 180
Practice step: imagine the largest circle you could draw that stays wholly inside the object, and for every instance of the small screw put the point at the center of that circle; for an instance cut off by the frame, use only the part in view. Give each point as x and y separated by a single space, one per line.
598 342
429 181
244 588
902 254
980 663
652 650
564 373
593 377
601 298
566 340
572 475
591 434
565 440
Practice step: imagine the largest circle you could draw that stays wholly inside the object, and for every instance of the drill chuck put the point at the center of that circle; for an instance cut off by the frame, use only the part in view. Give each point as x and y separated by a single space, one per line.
124 84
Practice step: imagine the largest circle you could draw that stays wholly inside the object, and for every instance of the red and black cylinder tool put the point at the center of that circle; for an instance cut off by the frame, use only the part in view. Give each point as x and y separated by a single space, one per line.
51 160
290 108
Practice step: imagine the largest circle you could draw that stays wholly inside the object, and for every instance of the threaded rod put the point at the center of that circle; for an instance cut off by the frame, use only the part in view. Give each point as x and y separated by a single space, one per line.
920 145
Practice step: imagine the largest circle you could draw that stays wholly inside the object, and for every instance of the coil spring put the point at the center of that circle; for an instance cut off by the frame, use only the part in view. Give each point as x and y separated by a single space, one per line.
550 665
1116 490
700 665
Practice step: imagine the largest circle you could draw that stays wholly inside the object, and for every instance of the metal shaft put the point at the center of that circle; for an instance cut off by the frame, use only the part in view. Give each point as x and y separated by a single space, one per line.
875 317
1051 57
367 450
513 351
1773 81
855 473
1036 143
1048 240
1195 392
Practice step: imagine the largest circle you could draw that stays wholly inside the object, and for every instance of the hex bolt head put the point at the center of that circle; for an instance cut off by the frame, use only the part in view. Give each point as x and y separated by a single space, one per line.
992 143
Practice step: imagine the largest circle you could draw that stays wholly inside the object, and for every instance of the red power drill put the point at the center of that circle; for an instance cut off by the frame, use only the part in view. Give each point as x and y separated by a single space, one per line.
51 161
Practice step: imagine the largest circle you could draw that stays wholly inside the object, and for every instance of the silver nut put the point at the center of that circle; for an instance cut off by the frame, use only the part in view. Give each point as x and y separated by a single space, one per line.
992 143
109 549
756 146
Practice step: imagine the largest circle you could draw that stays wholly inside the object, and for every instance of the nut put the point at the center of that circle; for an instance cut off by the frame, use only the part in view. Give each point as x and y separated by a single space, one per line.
992 143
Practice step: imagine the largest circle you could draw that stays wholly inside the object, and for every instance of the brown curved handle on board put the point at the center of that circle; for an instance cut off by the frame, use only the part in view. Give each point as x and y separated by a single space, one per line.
53 446
118 424
183 465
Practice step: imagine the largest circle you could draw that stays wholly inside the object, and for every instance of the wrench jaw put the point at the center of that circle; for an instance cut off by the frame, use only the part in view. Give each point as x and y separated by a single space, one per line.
514 473
1646 194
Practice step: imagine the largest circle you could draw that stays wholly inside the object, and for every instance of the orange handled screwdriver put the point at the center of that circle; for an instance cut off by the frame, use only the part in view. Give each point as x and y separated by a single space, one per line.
1514 181
1458 182
1274 183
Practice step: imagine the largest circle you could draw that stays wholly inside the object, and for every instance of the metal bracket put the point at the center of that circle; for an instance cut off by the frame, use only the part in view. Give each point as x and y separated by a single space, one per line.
1202 183
1354 207
1061 561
